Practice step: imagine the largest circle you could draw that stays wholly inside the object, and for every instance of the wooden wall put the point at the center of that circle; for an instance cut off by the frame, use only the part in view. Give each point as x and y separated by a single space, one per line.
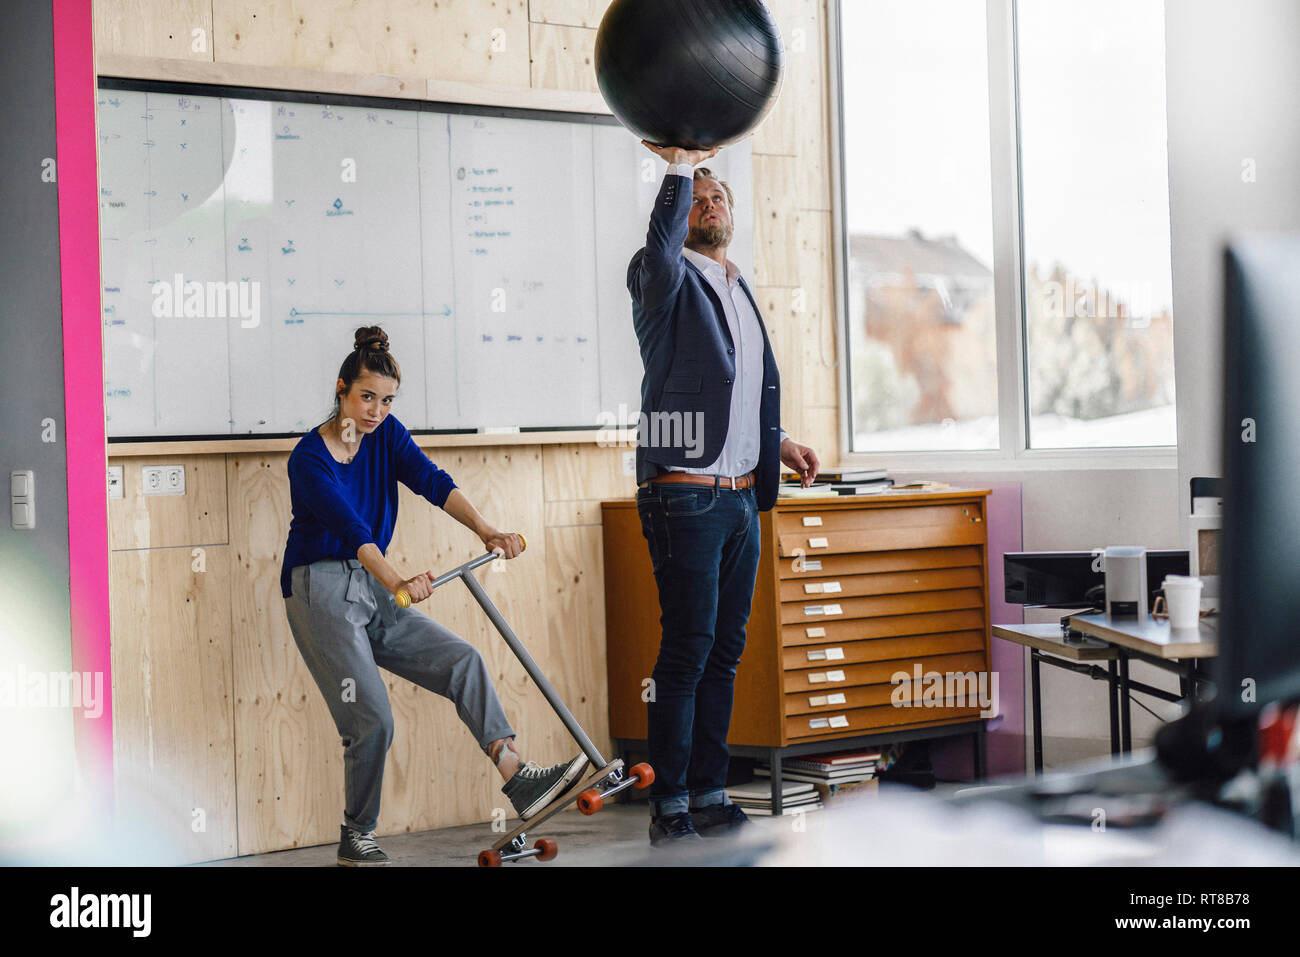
215 709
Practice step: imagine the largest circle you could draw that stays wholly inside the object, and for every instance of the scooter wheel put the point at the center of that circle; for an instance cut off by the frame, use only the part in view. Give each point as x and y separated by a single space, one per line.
644 774
489 858
589 802
547 848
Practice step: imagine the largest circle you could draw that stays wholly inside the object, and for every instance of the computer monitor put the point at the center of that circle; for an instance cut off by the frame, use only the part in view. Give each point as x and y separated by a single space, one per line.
1259 632
1075 579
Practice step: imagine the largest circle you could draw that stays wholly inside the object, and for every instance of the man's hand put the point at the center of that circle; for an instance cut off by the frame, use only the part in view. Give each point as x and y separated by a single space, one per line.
801 459
675 154
507 544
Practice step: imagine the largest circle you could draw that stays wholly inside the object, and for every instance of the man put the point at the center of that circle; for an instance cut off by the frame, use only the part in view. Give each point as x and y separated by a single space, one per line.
708 461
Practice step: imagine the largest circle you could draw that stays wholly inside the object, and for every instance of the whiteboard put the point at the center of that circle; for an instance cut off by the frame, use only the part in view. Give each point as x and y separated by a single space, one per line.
244 238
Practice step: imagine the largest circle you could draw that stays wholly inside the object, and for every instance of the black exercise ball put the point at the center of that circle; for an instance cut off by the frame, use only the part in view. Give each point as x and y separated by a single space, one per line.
689 73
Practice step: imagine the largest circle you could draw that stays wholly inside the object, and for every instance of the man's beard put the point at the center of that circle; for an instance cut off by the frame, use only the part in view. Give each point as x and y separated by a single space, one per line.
710 236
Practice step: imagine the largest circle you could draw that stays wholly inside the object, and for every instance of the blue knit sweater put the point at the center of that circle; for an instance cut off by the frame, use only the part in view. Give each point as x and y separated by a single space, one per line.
337 508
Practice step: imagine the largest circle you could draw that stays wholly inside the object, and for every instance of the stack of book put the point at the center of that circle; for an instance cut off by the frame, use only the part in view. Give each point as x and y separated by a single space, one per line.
832 775
756 797
839 482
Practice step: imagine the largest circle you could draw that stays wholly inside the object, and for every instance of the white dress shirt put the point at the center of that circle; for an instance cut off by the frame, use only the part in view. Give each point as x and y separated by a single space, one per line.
740 449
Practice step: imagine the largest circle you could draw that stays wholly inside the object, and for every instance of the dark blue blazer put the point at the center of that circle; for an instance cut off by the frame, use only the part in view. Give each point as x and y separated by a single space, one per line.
686 347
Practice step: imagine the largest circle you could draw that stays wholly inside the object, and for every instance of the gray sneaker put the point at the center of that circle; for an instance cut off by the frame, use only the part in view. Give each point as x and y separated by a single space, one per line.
360 850
533 787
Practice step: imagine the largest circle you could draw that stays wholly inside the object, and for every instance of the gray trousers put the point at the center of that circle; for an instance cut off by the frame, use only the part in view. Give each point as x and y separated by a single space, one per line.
347 626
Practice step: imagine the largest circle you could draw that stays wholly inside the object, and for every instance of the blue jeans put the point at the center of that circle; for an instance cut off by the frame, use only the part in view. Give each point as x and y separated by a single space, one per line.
704 545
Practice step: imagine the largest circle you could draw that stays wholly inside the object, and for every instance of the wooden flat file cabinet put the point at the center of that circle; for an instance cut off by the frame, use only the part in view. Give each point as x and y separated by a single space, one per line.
850 591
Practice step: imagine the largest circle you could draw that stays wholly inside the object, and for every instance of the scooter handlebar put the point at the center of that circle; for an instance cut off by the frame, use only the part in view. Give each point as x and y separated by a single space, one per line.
404 600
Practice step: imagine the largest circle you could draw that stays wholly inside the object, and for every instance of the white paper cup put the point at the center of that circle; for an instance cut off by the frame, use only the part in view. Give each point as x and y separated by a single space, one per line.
1183 597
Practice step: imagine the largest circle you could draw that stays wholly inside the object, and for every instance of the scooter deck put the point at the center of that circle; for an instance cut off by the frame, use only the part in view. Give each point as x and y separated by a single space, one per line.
560 803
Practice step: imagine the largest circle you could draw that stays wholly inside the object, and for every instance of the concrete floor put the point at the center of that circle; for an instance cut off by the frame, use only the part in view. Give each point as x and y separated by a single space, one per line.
615 836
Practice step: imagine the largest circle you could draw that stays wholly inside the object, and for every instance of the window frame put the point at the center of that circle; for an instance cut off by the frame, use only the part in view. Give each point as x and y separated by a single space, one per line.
1013 453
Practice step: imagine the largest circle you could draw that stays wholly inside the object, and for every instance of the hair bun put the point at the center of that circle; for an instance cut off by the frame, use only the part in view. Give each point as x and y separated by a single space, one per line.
370 338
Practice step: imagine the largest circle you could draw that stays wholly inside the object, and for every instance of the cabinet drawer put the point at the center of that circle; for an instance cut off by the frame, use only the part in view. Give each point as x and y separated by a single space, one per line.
888 583
829 607
812 542
880 649
841 723
911 559
885 626
808 521
836 701
834 675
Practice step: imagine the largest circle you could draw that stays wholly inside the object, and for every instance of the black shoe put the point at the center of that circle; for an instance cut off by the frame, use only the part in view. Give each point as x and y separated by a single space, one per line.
672 829
718 820
533 787
360 850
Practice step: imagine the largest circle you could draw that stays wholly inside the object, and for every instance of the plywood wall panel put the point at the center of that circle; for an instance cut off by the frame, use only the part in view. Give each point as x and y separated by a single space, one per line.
563 57
574 13
562 514
173 725
198 517
585 472
798 124
575 615
290 764
474 41
820 429
776 211
816 312
155 28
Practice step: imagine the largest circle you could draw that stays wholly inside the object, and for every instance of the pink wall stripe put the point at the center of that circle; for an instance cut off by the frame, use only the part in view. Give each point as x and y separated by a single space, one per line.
83 371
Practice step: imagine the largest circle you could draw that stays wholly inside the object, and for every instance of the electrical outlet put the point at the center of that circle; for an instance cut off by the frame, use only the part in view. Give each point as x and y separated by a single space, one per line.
629 463
115 481
163 479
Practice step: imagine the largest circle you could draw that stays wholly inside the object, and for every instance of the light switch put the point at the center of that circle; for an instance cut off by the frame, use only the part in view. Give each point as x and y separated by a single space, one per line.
24 516
22 499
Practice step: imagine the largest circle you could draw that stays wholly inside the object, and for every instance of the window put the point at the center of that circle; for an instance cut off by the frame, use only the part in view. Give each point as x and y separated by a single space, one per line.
920 232
1095 211
1074 226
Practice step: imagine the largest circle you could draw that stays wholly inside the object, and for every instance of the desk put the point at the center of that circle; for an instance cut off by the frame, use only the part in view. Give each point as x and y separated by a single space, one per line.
1047 645
1115 641
1152 641
1151 637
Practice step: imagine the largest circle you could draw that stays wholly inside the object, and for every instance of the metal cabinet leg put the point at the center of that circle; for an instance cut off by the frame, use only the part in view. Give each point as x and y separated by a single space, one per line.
981 754
1112 694
1035 693
775 760
1126 711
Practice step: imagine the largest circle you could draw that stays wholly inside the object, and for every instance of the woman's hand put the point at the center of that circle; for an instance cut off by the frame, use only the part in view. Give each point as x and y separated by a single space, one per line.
419 588
506 544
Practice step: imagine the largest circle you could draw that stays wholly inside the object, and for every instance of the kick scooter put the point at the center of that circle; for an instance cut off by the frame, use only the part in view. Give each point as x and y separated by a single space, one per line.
592 791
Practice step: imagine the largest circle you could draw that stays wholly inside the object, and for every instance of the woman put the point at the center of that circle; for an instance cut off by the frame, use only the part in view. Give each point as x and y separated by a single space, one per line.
340 595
